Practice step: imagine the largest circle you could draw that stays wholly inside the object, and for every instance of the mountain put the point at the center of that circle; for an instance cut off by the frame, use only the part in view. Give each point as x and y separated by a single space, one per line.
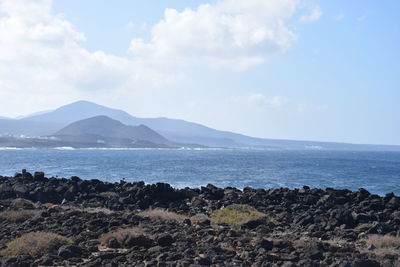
96 132
179 131
35 114
78 111
175 130
101 127
33 128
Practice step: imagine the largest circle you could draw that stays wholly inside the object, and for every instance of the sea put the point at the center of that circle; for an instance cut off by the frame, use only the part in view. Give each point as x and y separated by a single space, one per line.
378 172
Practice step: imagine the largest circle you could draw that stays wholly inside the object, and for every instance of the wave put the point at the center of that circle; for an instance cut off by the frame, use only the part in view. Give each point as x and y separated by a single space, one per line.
64 148
16 148
156 149
115 148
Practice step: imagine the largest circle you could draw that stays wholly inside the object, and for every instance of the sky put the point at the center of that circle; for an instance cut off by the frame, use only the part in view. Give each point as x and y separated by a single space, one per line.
323 70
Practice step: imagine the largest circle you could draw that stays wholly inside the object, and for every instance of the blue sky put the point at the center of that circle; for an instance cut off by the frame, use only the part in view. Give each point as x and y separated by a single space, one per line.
307 70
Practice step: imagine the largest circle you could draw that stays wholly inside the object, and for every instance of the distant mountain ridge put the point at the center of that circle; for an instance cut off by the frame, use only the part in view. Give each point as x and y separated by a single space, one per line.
31 128
174 130
78 111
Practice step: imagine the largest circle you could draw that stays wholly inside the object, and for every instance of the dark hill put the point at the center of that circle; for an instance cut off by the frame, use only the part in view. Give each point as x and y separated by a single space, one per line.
103 126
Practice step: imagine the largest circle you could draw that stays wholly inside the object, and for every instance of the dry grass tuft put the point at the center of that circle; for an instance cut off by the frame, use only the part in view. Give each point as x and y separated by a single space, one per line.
383 241
98 210
236 215
21 203
120 235
48 205
338 242
18 215
35 243
200 217
162 215
88 209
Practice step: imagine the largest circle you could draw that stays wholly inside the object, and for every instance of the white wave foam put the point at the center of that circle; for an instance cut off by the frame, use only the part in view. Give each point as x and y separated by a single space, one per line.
15 148
156 149
64 148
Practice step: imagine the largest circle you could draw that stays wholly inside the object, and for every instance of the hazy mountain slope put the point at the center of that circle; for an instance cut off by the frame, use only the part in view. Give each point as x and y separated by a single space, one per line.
175 130
104 126
78 111
18 127
84 109
35 114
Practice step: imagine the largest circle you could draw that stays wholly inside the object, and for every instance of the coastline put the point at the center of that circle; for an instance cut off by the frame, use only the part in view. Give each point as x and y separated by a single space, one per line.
300 227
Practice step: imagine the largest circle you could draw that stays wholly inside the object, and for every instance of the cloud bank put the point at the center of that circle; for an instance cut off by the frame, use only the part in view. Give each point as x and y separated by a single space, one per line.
43 56
229 34
314 15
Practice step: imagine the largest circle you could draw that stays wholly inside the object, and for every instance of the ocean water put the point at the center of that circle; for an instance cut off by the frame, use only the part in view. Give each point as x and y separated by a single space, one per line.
378 172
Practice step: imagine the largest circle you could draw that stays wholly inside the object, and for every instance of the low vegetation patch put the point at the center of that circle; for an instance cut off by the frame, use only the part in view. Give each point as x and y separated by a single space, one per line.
198 218
35 243
236 215
21 203
98 210
88 209
18 215
383 241
162 215
125 238
120 235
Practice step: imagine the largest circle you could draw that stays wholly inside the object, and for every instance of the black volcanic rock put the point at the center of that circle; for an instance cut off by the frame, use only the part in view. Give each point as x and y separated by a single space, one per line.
38 175
70 251
328 230
165 240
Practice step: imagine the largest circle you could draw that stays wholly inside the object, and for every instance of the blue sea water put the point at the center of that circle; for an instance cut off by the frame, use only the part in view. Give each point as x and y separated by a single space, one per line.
378 172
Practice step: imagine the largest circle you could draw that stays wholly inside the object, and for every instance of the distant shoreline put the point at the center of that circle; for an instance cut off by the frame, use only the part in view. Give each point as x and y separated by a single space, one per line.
195 149
118 148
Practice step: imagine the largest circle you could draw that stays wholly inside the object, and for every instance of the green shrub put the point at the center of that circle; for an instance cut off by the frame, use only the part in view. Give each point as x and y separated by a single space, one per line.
236 215
35 243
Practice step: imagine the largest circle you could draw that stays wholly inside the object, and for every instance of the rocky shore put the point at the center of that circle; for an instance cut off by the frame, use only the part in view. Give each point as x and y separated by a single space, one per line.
95 223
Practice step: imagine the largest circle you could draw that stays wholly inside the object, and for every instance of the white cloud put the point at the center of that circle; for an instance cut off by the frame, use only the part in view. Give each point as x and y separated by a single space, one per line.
277 103
264 101
259 100
314 15
42 51
232 34
42 54
44 63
